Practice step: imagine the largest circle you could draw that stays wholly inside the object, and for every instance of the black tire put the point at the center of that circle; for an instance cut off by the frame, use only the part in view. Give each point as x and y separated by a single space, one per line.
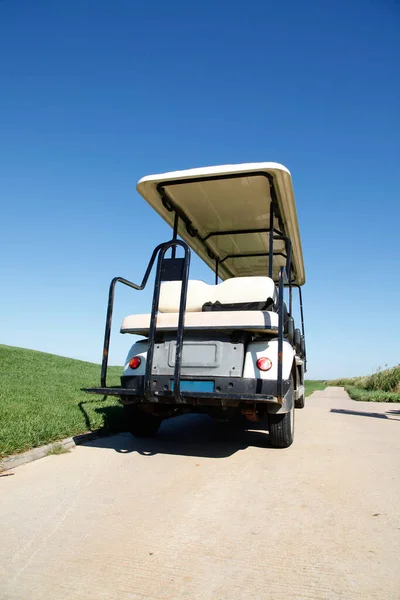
300 402
140 423
281 426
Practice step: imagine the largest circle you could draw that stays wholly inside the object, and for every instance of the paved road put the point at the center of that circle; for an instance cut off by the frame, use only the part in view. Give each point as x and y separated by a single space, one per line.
198 515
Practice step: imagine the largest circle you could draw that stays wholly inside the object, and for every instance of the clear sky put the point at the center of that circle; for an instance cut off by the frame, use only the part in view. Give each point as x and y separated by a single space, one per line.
95 94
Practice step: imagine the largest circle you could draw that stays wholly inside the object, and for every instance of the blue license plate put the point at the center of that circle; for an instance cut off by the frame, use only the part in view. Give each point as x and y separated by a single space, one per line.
195 386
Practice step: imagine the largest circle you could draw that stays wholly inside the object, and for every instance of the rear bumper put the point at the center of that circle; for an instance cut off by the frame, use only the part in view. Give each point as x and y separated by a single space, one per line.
227 391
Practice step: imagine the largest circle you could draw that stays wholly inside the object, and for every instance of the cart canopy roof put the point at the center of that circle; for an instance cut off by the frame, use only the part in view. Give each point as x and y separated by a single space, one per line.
225 215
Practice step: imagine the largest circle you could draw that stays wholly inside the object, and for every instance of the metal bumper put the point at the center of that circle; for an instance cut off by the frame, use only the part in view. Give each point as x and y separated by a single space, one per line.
227 391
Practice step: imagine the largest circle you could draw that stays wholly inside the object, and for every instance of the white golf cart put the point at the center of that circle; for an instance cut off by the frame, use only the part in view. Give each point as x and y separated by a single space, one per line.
229 349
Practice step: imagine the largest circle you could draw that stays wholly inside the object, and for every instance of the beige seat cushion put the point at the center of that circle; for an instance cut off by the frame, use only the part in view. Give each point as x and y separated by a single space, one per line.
236 290
245 320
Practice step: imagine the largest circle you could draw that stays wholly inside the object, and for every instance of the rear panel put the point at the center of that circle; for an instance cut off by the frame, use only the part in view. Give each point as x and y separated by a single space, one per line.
201 356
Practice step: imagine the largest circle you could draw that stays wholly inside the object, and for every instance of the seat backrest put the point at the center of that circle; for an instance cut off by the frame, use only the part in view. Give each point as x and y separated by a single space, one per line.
237 290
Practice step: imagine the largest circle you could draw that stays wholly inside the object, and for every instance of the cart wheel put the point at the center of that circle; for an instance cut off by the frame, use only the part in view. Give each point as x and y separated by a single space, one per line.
300 402
281 426
139 422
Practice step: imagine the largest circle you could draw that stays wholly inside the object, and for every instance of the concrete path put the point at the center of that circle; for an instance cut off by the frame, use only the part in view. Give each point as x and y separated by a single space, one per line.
198 514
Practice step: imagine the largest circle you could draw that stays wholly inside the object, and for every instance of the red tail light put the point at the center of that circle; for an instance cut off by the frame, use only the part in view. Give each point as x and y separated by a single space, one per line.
135 362
264 363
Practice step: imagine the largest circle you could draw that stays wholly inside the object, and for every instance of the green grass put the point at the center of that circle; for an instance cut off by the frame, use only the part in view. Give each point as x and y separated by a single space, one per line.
41 401
382 386
313 386
357 393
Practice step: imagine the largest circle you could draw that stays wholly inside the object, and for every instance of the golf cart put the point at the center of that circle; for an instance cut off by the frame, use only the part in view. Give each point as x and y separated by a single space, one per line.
230 350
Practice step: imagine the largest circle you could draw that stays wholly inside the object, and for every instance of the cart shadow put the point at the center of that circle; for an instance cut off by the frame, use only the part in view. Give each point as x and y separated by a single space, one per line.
360 413
188 435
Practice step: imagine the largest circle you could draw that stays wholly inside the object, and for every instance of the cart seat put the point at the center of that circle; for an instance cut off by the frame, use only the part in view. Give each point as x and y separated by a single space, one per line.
237 292
255 321
255 292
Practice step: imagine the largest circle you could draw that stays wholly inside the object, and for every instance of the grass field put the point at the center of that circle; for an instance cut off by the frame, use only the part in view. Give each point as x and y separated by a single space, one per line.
41 401
314 386
382 386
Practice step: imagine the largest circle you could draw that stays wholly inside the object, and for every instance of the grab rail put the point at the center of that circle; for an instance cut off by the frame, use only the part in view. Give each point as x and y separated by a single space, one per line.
182 306
160 250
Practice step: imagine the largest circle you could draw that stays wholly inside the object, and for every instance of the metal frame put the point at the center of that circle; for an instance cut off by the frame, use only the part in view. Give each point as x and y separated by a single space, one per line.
160 250
179 334
302 324
274 211
110 308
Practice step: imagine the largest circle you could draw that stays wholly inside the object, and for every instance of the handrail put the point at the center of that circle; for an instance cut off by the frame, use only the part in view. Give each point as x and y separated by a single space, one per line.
160 250
182 306
110 307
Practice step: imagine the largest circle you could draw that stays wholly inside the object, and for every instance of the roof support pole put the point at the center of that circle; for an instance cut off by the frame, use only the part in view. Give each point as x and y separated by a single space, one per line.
216 271
271 240
175 236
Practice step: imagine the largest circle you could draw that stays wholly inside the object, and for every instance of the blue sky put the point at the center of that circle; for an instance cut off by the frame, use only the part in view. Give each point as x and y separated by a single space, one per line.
95 95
